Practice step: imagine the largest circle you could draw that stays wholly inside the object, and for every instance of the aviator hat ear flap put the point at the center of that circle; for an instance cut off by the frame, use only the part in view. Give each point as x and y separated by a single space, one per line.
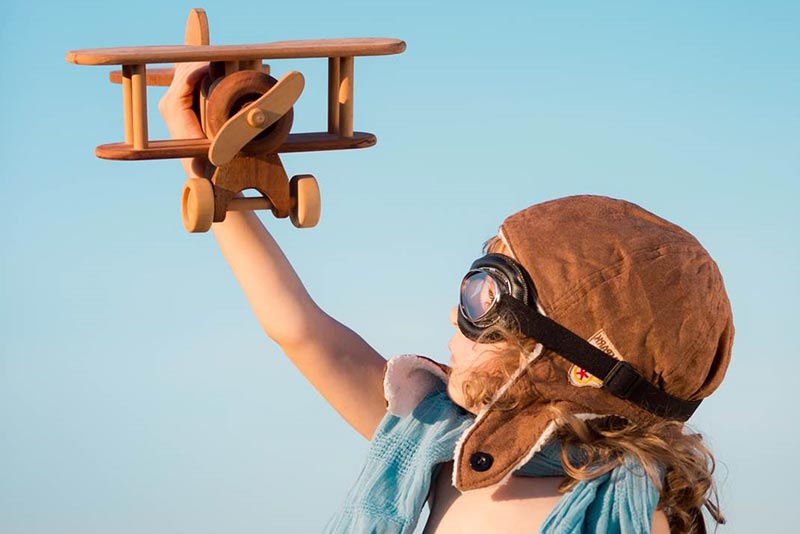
519 284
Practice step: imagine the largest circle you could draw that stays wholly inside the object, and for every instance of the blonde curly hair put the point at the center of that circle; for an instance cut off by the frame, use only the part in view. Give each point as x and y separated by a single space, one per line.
660 446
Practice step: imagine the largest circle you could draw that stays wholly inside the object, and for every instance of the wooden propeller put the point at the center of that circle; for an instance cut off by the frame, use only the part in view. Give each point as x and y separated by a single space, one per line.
255 118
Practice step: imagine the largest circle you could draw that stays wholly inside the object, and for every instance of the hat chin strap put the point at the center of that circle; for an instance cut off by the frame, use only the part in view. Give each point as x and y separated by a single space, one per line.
619 377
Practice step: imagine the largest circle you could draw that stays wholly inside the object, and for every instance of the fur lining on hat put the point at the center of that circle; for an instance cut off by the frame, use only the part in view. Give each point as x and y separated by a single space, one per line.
537 351
408 380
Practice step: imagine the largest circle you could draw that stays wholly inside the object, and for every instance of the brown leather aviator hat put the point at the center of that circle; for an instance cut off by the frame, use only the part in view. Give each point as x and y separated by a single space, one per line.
641 291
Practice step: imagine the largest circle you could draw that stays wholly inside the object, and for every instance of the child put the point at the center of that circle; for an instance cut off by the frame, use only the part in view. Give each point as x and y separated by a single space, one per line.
585 337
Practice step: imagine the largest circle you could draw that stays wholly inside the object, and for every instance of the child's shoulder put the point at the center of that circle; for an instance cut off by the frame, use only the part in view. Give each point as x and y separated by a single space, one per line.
518 506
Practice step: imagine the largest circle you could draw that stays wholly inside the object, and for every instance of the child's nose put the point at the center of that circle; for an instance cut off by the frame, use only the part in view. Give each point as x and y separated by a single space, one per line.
454 316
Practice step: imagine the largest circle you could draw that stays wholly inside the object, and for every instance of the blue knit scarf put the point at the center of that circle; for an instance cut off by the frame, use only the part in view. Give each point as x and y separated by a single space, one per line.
390 492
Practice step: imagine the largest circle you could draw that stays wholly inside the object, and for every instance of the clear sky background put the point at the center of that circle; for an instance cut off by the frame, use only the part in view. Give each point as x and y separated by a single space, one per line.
137 391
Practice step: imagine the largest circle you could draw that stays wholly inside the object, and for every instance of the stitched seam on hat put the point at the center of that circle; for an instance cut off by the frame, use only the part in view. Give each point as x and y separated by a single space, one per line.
710 328
574 294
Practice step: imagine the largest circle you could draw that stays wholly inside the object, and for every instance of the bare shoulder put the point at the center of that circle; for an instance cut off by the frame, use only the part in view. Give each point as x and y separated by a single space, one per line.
519 506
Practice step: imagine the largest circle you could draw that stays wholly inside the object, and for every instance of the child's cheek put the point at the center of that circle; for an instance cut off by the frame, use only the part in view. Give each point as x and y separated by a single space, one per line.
461 350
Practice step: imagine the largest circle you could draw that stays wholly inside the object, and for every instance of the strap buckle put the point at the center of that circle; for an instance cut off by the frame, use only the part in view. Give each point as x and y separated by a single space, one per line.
622 380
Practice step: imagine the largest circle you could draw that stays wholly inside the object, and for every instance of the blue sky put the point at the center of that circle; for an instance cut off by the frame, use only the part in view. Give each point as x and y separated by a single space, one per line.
137 391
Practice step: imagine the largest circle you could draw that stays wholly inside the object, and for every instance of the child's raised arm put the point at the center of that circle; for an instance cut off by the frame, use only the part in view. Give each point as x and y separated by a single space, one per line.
346 370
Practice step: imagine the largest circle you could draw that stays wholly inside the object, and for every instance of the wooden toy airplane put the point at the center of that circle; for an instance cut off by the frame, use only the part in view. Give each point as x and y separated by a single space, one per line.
246 116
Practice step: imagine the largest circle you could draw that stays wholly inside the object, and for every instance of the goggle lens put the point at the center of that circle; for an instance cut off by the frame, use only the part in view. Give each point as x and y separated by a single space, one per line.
479 294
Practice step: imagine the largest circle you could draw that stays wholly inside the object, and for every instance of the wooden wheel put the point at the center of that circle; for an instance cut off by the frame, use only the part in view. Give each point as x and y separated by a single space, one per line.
228 95
197 205
306 205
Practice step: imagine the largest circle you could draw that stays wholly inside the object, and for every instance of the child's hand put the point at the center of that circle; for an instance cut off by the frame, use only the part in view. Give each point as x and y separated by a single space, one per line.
176 109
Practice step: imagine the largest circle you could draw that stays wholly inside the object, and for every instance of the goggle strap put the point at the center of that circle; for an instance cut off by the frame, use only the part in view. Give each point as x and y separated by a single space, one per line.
619 377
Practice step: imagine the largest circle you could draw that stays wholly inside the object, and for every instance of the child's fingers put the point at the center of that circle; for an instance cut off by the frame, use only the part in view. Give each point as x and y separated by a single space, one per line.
180 92
187 75
176 109
176 104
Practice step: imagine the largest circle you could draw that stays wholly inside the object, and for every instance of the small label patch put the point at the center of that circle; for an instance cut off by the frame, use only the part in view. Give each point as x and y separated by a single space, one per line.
581 377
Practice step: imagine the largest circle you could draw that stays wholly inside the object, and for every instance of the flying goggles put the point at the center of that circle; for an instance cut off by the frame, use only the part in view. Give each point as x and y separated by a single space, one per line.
498 291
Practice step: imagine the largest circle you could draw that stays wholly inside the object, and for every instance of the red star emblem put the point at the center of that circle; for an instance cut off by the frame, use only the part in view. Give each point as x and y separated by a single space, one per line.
582 374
